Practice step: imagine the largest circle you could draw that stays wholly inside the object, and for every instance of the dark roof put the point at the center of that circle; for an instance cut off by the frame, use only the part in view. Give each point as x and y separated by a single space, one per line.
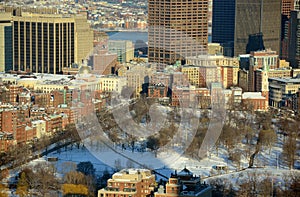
185 172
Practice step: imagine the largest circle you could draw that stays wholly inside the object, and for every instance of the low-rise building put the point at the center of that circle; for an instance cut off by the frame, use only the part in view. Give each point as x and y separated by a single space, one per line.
184 184
136 76
254 101
129 182
6 141
282 91
213 68
40 126
157 90
123 48
112 83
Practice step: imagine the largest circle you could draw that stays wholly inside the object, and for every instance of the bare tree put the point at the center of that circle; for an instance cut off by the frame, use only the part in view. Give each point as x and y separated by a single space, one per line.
290 150
235 156
268 137
43 180
75 177
118 165
68 166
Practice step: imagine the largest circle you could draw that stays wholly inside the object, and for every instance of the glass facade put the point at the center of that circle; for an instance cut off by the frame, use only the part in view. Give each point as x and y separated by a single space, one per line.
43 47
223 21
8 48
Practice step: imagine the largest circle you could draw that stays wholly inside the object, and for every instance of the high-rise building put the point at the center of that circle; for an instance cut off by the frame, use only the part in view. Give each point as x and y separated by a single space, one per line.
177 29
294 39
296 4
223 24
6 52
286 7
257 17
235 22
46 43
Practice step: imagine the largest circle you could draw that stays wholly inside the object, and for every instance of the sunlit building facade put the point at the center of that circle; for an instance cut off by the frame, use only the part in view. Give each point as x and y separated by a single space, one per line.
176 29
46 43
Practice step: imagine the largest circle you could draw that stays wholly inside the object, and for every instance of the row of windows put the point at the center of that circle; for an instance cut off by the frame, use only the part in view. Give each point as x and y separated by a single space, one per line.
43 44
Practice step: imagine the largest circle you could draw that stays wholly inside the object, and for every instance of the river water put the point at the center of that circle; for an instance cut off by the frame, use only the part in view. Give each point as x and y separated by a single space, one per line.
133 36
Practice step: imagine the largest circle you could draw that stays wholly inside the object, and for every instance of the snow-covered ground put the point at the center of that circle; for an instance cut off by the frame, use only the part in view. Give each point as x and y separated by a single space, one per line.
104 158
110 156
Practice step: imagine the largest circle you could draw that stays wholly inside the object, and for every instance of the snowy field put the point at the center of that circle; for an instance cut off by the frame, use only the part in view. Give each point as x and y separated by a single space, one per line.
166 163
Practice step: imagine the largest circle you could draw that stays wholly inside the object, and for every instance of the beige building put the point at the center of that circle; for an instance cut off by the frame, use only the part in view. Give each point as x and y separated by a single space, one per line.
129 182
110 83
201 76
214 49
40 126
214 68
136 76
282 91
46 43
28 82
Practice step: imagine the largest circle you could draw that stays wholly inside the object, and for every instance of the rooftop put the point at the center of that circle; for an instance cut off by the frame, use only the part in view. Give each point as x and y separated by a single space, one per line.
286 79
252 95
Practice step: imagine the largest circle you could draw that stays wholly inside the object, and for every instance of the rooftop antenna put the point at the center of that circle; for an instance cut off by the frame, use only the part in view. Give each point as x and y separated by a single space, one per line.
261 15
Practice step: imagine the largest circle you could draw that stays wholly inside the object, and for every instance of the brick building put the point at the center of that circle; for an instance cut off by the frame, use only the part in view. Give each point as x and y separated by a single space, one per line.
8 120
20 135
157 90
255 101
180 79
129 182
201 76
6 141
225 69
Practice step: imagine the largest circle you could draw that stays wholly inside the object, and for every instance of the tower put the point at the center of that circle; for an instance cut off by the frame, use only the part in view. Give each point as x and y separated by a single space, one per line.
294 39
177 29
46 43
223 24
235 21
5 42
287 6
255 17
